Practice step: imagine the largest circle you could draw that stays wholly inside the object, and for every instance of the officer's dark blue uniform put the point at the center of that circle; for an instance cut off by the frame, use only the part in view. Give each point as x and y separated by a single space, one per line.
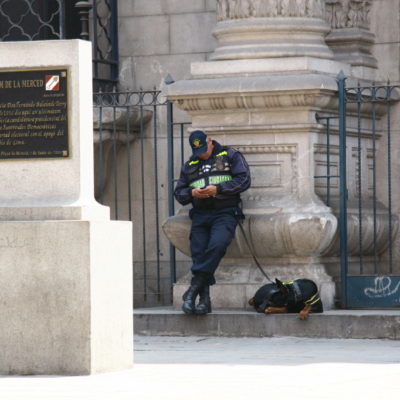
214 218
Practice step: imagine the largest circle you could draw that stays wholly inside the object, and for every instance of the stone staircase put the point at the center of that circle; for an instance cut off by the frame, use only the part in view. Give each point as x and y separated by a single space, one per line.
346 324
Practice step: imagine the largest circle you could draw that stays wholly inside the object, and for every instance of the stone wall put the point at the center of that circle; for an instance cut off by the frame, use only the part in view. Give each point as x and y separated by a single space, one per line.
385 23
158 37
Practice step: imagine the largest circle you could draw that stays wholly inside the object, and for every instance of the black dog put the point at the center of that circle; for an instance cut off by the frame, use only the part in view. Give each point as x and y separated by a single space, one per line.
298 296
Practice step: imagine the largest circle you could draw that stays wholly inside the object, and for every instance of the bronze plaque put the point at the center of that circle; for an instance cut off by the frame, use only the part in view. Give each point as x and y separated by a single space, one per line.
33 114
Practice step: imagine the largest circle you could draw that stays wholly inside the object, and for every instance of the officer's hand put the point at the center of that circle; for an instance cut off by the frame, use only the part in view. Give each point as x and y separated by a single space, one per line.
204 193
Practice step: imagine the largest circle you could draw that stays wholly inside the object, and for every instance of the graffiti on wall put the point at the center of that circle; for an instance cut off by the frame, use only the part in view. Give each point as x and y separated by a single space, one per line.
382 288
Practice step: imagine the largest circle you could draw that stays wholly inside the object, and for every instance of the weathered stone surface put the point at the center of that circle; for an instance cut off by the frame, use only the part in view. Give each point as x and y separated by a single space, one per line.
344 324
156 7
193 26
350 38
248 29
353 46
146 41
257 39
278 234
66 297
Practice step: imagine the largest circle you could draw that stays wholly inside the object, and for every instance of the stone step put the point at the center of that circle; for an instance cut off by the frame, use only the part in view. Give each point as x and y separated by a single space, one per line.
345 324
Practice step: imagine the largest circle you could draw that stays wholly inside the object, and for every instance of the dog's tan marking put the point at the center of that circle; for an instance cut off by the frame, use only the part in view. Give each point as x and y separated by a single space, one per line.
275 310
303 314
251 301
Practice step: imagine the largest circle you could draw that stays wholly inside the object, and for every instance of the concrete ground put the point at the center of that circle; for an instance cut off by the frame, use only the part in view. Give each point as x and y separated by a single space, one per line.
333 324
222 368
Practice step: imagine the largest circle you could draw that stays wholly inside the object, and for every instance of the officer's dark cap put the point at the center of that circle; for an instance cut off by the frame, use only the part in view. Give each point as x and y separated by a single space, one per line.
198 142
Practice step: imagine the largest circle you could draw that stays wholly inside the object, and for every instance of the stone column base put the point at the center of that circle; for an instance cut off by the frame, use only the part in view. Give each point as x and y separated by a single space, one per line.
66 297
236 284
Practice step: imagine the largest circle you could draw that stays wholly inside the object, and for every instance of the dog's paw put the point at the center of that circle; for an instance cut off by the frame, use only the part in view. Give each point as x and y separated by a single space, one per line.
303 314
275 310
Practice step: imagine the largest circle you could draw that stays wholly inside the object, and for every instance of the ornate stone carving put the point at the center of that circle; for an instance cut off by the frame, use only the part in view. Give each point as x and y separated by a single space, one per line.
239 101
292 8
237 9
303 234
350 38
348 13
283 149
265 8
270 29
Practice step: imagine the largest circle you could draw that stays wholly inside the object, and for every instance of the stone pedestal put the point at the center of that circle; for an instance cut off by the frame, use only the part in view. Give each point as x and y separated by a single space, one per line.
267 110
65 268
66 289
287 245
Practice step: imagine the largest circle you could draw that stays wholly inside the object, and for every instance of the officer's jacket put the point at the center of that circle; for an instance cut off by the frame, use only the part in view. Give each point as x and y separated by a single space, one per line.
226 169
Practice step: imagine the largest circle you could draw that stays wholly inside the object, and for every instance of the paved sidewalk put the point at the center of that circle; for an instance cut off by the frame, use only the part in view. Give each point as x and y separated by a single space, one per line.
222 368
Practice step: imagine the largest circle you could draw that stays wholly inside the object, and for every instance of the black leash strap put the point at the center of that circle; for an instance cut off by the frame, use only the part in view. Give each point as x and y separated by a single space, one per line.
252 252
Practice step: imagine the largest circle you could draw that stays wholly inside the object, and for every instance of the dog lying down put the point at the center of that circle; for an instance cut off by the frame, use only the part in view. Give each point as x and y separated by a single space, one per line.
298 296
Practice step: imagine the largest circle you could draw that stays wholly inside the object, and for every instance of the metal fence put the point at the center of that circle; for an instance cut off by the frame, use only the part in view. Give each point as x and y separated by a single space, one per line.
138 153
26 20
362 158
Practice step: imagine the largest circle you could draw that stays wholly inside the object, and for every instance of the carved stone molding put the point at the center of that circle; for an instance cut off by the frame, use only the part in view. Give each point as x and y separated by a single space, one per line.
270 29
306 234
269 148
348 13
288 181
247 101
237 9
350 38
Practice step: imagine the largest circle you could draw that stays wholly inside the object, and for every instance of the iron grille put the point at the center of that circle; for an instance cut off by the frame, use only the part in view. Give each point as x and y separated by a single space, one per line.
32 20
105 44
22 20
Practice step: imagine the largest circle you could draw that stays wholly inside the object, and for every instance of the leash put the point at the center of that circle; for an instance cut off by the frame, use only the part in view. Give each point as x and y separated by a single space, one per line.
251 251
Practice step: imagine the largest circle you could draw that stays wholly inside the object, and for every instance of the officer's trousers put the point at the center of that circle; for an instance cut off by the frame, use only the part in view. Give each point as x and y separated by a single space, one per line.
212 232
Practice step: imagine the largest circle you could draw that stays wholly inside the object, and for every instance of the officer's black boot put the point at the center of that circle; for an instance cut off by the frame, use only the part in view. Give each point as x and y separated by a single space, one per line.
204 305
189 297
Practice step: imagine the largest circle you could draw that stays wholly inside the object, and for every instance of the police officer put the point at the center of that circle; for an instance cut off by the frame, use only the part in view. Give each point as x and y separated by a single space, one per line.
212 181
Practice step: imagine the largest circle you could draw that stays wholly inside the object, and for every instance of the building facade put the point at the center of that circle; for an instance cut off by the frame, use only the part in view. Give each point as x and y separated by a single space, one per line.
204 42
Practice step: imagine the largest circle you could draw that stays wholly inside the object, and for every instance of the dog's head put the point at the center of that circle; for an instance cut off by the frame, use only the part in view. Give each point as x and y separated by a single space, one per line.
270 295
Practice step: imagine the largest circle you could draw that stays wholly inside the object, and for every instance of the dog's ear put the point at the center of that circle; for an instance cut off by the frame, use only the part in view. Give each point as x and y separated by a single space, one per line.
280 285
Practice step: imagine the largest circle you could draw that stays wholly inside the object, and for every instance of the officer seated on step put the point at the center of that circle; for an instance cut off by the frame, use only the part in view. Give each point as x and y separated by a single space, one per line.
212 181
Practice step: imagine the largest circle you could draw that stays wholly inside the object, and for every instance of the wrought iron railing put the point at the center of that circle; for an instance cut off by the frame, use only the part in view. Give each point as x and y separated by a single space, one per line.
138 153
361 148
22 20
